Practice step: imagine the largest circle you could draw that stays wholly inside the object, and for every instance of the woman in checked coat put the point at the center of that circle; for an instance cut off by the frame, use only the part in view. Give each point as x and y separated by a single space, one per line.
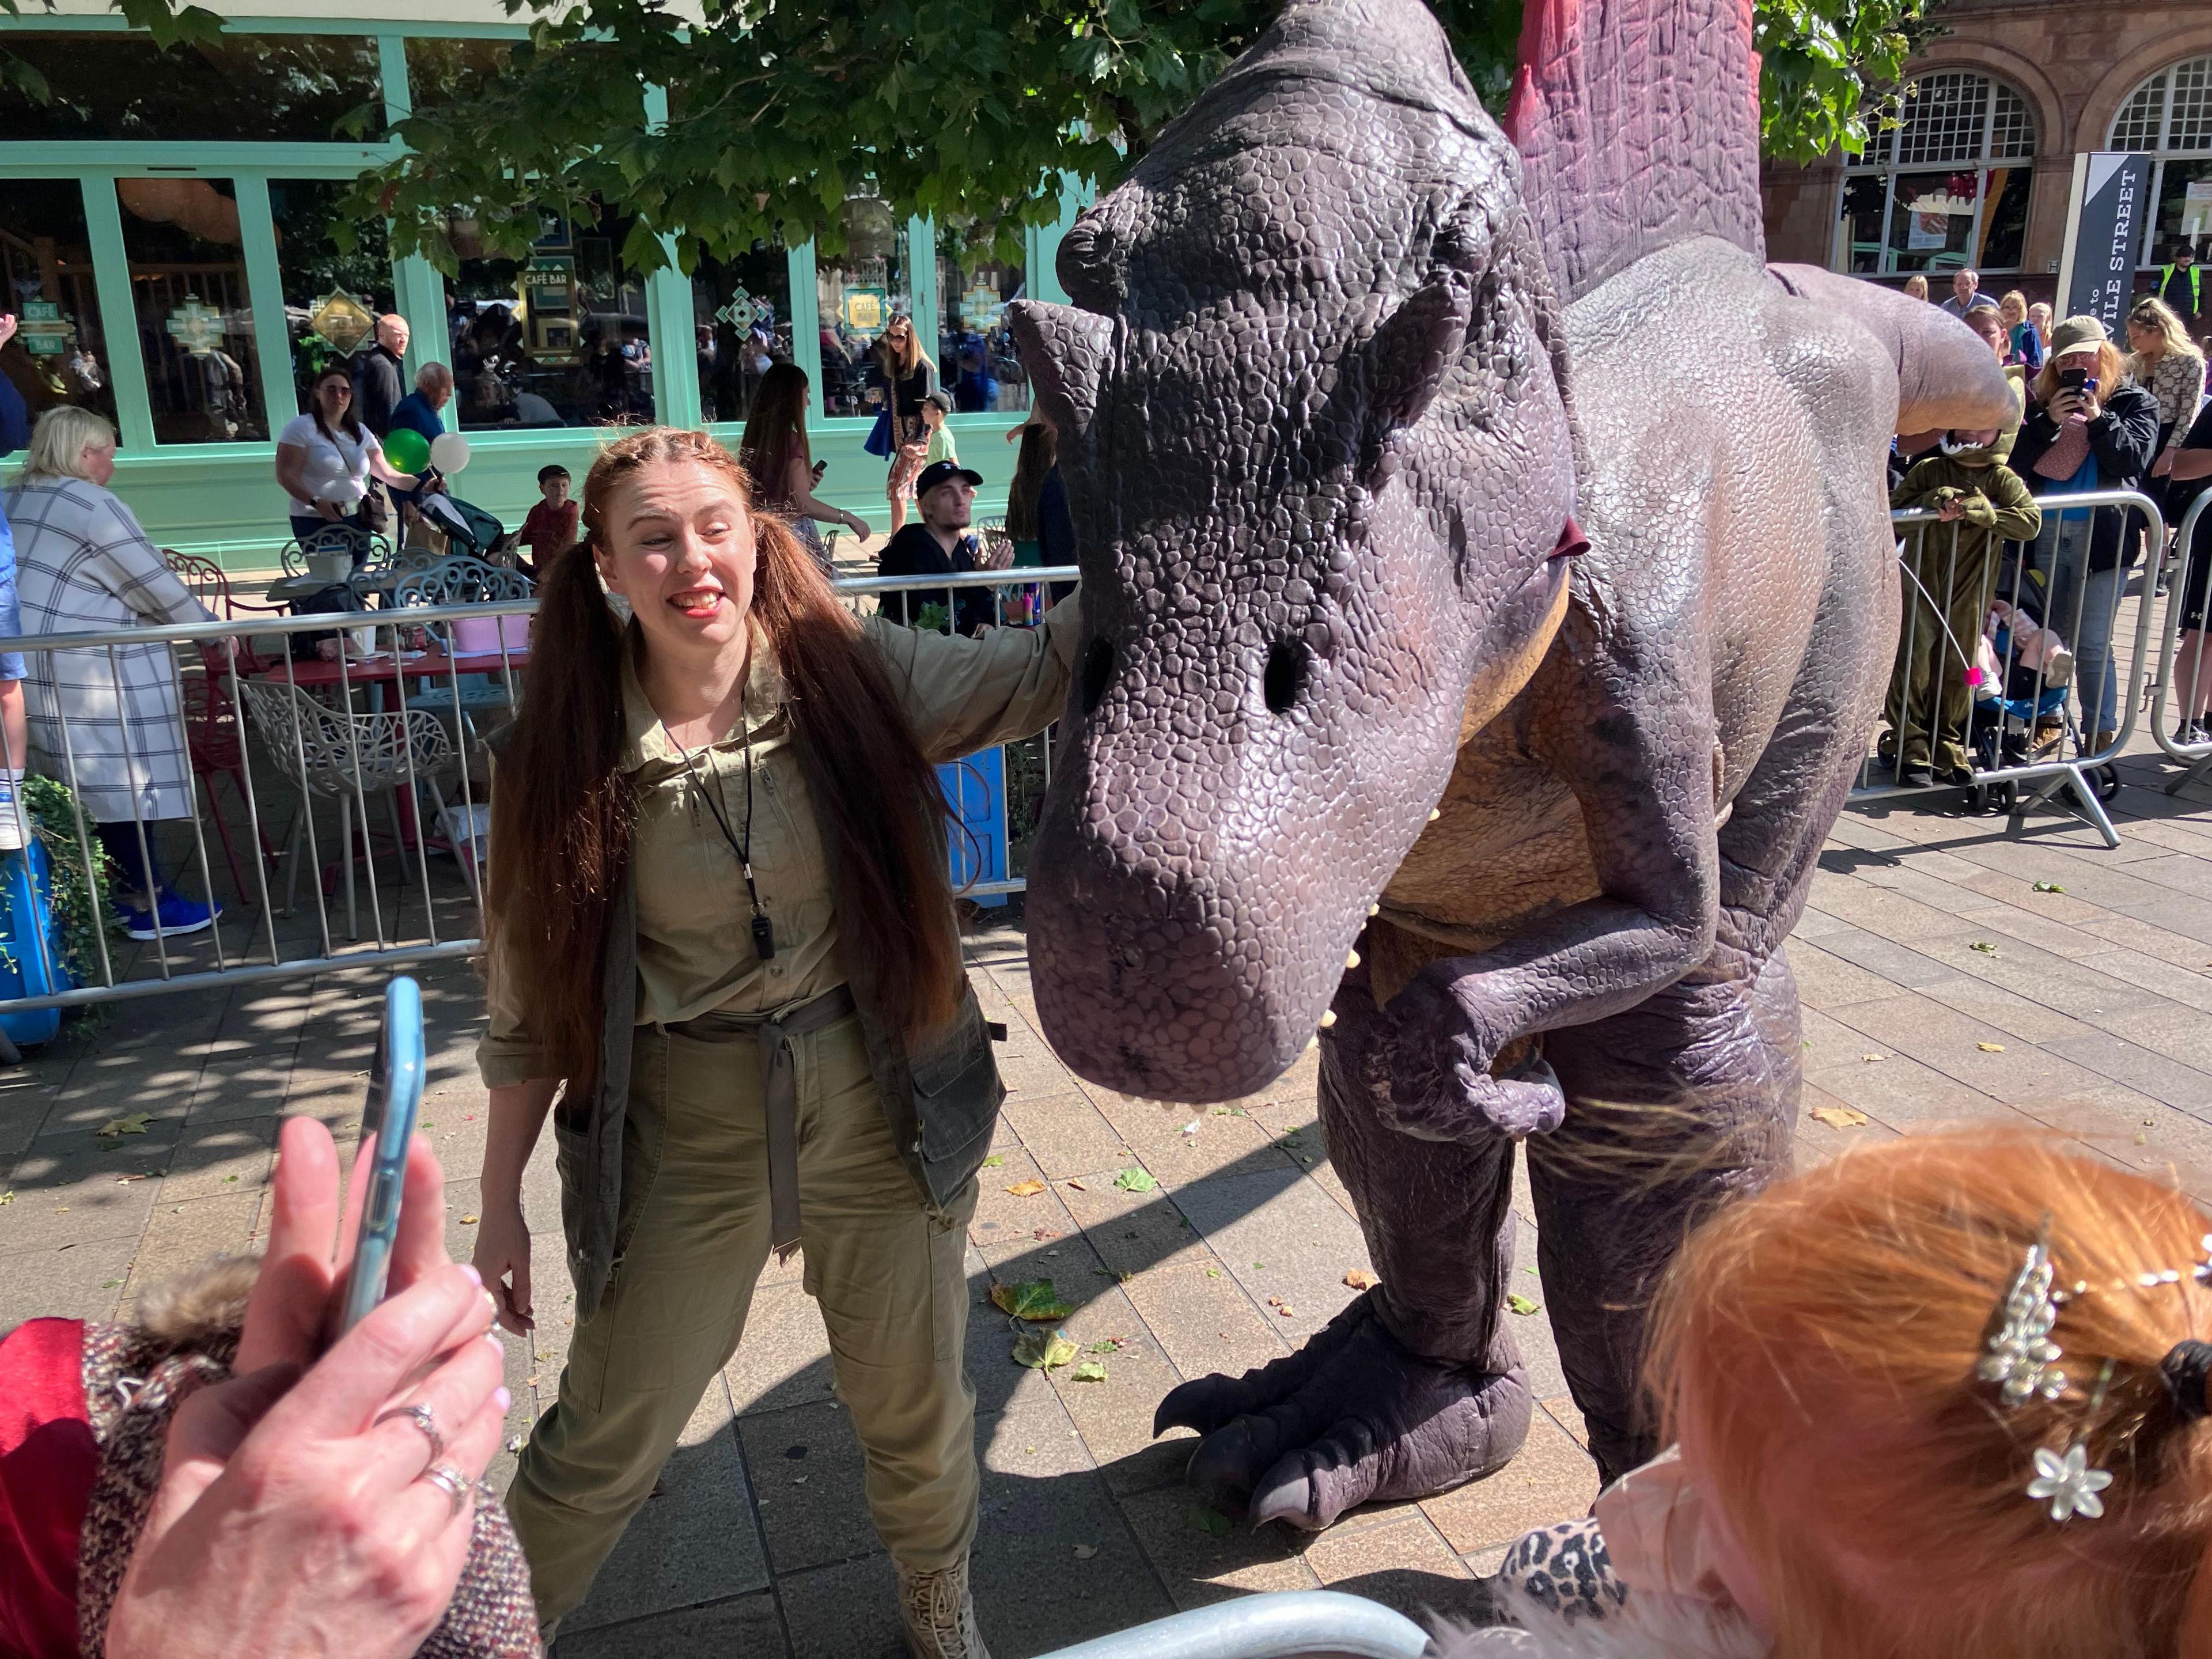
84 566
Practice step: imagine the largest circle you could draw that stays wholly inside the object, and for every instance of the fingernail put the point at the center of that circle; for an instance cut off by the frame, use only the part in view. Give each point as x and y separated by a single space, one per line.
475 1278
503 1398
491 1302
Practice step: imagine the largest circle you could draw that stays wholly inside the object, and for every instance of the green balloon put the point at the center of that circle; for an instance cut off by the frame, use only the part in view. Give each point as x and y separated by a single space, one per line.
407 449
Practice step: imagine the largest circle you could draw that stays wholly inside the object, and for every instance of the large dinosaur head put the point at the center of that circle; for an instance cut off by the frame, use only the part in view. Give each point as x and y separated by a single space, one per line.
1316 441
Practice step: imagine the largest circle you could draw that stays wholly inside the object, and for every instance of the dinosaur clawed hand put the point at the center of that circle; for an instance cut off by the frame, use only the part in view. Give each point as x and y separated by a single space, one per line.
1350 1417
1441 1087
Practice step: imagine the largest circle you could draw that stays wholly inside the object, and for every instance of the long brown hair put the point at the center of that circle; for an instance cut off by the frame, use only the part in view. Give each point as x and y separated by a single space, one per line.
1040 446
775 430
1822 1342
900 366
563 811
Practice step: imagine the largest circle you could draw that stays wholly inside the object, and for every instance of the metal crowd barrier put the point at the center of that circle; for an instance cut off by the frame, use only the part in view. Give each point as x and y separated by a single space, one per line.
237 717
1279 1625
2033 742
2169 714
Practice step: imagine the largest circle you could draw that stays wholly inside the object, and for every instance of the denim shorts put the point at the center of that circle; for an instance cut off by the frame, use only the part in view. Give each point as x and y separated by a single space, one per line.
11 624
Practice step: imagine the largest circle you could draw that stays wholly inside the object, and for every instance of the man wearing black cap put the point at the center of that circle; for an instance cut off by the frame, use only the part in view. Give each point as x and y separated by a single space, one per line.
938 545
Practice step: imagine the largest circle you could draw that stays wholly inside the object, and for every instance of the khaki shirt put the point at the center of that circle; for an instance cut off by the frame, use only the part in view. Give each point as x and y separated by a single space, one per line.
694 947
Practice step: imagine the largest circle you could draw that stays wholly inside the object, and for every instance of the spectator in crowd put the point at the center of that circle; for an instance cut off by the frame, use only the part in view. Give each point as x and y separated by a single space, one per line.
1966 288
2089 427
2026 344
724 1104
379 373
1949 576
15 732
780 463
296 1504
1988 322
324 460
423 410
2181 287
2167 363
550 526
1984 1349
2038 318
901 377
1916 286
84 566
1031 464
936 411
938 546
2191 476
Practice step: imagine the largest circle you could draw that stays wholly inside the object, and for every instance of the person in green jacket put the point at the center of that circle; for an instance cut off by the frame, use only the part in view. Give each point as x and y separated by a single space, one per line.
1948 569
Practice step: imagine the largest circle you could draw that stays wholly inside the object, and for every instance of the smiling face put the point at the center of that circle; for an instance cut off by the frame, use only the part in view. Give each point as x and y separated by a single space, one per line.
675 540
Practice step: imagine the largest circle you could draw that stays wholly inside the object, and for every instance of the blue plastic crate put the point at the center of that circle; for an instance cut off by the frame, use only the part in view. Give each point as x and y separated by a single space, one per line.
977 788
27 886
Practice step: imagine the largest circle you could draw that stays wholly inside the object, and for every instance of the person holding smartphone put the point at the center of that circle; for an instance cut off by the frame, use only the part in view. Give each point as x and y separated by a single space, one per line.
720 931
2088 427
781 464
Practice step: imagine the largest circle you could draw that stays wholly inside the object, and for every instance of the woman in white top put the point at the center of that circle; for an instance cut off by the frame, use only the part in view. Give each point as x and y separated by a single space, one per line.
325 460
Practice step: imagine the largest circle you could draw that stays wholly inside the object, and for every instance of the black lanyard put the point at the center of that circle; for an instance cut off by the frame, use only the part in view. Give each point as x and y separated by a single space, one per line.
764 933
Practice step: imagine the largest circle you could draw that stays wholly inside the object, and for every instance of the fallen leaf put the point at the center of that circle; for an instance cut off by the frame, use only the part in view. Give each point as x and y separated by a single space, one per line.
468 1221
1211 1521
1135 1180
1984 946
227 1180
995 1162
1035 1299
1041 1234
515 1442
1213 1272
1191 1127
1078 1185
1091 1370
1991 1048
1042 1350
2048 887
1360 1279
1026 1188
1873 1060
1838 1117
1286 1310
1522 1304
1110 1344
1084 1552
7 1198
112 1282
530 1382
134 1124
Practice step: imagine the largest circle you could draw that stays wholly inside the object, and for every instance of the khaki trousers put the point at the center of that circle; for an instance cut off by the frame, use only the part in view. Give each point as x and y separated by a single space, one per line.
692 1238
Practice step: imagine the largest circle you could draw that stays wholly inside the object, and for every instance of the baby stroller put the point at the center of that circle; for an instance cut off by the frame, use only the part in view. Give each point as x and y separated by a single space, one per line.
466 527
2023 672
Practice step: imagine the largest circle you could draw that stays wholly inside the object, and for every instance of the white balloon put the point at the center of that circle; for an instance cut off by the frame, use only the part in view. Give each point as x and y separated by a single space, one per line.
449 451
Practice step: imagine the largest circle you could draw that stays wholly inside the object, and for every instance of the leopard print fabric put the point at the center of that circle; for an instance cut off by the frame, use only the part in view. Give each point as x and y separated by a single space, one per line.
1564 1570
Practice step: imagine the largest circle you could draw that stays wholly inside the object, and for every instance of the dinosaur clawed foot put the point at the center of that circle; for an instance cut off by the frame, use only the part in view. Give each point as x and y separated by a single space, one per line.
1350 1417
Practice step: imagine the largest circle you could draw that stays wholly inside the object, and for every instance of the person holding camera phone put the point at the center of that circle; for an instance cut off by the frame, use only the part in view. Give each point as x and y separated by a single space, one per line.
2089 427
784 471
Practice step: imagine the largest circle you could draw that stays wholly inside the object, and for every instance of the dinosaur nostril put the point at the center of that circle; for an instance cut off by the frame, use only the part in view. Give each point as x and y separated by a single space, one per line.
1283 679
1097 669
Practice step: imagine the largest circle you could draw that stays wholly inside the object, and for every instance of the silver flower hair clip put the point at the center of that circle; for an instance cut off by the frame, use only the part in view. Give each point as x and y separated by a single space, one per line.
2021 1355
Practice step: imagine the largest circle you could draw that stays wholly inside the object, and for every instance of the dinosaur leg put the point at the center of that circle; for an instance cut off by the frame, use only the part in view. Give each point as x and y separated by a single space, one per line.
1703 1073
1415 1388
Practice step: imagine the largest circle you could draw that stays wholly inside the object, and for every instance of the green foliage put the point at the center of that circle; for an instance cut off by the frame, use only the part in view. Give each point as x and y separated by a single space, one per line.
759 122
77 906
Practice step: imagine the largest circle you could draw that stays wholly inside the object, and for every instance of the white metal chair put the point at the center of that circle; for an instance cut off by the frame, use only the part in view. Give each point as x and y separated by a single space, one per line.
329 751
460 579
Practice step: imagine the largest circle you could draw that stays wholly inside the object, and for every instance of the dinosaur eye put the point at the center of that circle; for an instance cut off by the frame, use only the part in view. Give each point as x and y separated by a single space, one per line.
1283 679
1097 669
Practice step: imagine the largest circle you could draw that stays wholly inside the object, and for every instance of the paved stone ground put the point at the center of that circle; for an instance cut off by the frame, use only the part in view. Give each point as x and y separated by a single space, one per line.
1940 985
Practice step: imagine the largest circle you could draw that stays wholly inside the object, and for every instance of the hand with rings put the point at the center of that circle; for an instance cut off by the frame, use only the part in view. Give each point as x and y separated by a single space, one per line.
323 1504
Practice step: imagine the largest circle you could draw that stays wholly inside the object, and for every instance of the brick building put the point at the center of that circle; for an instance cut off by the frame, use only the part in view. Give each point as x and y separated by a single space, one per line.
1980 170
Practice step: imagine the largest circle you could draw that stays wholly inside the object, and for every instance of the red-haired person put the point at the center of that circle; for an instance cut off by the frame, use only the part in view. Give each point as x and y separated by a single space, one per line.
721 934
1939 1398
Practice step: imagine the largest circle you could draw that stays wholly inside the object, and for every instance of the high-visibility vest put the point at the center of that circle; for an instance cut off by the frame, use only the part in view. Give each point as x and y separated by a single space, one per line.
2195 285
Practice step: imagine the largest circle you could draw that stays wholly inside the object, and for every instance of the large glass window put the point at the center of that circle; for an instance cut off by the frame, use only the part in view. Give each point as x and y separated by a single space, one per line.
440 72
195 324
741 322
331 300
975 357
1945 189
254 87
57 356
855 294
2170 118
557 339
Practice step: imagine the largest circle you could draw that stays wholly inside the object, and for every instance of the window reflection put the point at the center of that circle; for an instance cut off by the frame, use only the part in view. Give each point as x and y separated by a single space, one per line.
854 293
322 89
331 300
741 323
195 323
57 356
975 357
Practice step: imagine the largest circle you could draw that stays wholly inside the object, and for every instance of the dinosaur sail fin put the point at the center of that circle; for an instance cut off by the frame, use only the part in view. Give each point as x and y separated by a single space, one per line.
1638 125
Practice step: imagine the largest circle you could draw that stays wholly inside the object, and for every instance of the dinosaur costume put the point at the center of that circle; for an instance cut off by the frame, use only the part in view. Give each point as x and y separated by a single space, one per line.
1357 737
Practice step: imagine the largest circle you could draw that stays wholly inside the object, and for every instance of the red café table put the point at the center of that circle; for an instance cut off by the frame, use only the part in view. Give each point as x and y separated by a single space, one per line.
383 668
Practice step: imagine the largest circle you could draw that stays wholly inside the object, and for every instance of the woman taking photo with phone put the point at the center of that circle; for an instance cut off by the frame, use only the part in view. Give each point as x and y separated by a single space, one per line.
780 464
728 806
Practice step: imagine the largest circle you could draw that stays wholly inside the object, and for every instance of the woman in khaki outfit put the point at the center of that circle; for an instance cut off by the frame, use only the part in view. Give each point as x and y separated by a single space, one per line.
728 806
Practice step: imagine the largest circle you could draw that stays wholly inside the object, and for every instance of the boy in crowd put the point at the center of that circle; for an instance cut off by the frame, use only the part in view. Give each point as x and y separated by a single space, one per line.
1948 571
551 524
934 408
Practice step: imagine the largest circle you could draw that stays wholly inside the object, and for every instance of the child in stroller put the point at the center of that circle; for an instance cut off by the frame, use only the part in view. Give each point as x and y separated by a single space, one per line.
2022 674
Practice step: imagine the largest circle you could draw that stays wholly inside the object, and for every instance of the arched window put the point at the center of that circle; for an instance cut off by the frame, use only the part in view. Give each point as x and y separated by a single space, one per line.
1947 187
2169 120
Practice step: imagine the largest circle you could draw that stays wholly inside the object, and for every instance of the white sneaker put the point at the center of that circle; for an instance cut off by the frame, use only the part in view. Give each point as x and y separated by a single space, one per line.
11 814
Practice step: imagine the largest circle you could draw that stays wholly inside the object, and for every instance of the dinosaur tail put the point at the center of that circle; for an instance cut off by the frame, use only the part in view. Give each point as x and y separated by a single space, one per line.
1638 125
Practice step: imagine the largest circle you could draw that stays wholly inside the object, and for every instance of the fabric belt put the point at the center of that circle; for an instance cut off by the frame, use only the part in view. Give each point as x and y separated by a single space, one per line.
778 1090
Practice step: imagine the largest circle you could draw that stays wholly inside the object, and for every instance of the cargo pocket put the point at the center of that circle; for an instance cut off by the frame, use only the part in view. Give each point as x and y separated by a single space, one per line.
957 1095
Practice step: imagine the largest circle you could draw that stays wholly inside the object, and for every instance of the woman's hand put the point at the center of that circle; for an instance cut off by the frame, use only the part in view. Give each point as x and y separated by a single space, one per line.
503 1261
328 509
2065 403
2163 466
2089 408
858 525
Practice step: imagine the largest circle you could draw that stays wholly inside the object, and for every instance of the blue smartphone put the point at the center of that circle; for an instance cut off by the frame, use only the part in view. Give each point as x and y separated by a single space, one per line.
395 1100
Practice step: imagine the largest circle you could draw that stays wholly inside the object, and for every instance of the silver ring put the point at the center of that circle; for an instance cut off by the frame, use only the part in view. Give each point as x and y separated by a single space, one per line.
420 1416
450 1481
